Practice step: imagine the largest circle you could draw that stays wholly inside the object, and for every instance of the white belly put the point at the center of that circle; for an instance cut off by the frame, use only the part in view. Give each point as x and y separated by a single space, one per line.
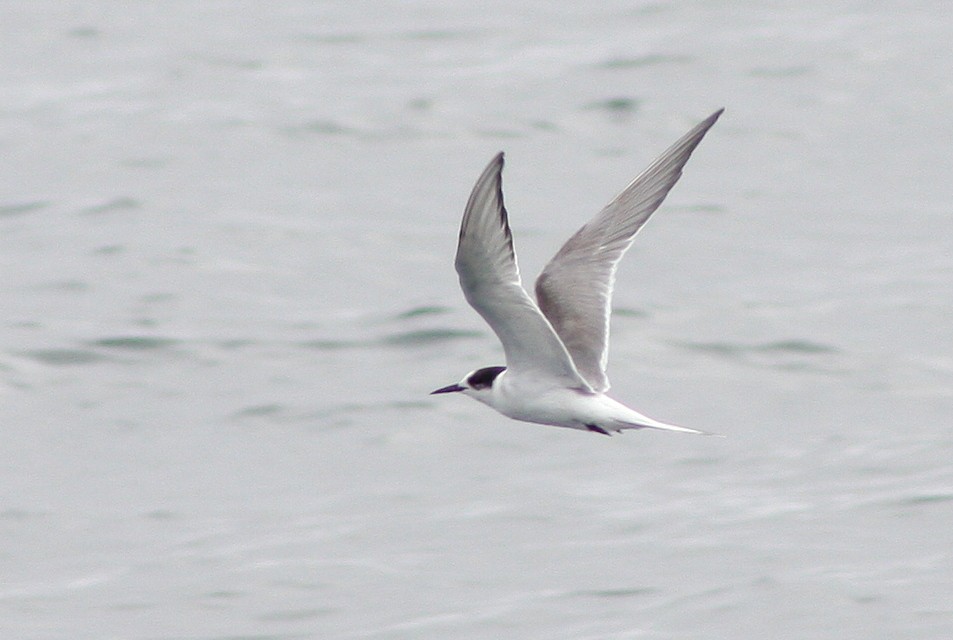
551 405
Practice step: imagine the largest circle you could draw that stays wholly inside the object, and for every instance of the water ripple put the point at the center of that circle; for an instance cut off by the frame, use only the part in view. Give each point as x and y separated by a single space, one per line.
422 311
650 60
779 346
427 336
63 357
21 208
794 354
134 343
123 203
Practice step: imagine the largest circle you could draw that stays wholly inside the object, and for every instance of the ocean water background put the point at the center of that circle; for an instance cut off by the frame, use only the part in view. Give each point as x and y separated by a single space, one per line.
226 234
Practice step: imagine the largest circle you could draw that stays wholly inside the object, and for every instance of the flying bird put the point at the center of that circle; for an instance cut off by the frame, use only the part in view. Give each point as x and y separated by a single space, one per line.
557 347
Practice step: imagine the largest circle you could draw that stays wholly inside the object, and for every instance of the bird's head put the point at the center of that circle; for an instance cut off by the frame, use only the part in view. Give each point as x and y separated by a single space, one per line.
476 384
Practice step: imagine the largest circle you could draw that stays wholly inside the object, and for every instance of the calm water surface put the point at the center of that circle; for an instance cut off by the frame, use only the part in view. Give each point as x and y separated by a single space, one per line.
227 234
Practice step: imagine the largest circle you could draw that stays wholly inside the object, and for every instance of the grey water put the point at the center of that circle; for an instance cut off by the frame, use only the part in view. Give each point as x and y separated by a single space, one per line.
227 234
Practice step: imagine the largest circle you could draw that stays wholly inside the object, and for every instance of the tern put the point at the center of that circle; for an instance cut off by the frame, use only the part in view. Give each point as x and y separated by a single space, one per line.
557 347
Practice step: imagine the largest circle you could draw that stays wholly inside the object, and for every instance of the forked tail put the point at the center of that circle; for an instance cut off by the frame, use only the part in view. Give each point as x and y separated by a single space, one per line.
648 423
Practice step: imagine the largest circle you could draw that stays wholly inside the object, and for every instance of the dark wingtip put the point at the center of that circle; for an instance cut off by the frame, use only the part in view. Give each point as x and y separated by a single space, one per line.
710 120
499 161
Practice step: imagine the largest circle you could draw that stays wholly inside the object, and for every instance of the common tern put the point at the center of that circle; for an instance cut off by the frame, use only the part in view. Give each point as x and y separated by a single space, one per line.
557 347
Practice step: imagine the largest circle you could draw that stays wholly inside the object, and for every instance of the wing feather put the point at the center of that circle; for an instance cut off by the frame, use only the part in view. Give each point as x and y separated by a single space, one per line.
574 291
489 277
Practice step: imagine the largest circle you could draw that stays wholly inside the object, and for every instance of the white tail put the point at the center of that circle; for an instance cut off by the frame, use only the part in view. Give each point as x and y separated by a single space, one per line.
648 423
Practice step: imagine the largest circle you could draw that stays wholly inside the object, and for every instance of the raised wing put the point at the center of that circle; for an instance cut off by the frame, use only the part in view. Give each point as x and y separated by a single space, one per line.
575 289
490 281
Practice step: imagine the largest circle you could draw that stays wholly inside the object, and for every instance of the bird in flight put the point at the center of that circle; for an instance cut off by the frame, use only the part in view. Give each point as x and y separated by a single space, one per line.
557 347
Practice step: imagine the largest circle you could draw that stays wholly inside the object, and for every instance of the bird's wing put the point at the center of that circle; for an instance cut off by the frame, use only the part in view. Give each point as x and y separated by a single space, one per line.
490 281
575 289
